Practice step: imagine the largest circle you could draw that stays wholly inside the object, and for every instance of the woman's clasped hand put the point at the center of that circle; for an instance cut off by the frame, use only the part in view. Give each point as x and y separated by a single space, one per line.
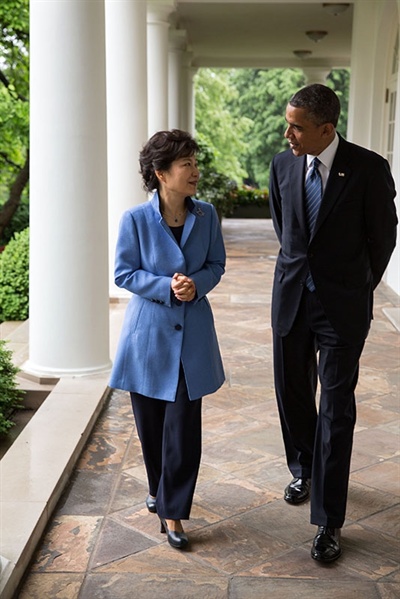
183 287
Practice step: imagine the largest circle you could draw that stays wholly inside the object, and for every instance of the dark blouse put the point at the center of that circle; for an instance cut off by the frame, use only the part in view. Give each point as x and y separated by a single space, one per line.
177 233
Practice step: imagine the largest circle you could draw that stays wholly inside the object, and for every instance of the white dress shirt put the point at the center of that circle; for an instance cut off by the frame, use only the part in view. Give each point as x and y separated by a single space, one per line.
326 157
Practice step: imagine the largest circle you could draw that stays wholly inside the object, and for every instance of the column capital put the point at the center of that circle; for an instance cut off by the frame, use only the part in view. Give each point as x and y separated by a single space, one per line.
187 59
160 10
177 39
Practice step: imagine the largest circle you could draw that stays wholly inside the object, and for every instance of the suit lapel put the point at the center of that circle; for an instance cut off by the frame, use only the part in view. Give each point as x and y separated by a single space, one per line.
297 190
189 222
187 229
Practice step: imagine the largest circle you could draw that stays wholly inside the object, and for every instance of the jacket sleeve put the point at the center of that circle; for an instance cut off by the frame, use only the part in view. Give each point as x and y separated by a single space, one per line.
129 273
381 219
214 265
275 202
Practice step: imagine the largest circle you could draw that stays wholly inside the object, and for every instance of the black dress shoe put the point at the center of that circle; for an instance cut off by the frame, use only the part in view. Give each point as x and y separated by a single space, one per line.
297 491
326 545
178 540
151 504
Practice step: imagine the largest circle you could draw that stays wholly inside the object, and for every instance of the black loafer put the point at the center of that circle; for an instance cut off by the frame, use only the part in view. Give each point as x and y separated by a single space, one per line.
326 545
178 540
151 504
297 491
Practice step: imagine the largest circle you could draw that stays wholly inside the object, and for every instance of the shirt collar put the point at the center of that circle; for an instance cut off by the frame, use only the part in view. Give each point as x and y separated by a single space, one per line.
327 156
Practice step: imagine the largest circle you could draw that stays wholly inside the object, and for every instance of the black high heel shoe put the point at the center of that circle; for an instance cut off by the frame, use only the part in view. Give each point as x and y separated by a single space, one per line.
151 504
178 540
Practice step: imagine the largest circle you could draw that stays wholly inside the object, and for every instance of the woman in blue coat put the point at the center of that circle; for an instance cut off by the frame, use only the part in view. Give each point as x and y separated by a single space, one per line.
170 254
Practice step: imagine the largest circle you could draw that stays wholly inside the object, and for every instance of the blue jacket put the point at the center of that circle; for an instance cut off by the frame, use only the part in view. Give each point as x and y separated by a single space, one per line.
159 333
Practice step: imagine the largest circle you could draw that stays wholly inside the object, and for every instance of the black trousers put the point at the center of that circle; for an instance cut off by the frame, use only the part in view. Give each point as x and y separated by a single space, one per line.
318 439
170 435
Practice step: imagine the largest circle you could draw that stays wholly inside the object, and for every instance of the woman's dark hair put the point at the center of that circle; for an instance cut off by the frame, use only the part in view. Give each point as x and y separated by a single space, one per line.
160 151
320 102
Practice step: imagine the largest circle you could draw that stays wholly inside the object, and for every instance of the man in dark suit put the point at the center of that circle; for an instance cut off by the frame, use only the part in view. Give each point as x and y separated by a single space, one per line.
336 224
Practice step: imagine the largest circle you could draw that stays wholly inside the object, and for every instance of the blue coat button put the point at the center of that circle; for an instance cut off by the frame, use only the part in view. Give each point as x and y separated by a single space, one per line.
178 327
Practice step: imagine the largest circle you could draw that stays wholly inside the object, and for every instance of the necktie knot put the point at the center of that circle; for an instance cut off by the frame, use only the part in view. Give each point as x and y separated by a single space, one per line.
315 164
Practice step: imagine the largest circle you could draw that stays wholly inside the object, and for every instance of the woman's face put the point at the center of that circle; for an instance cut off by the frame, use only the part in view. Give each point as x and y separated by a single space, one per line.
181 178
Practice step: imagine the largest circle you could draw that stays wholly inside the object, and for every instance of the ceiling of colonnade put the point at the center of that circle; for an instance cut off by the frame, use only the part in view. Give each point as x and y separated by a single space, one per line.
261 33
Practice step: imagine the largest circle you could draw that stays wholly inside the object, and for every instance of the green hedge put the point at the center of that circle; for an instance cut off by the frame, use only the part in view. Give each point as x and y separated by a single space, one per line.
10 395
251 197
223 193
14 278
219 190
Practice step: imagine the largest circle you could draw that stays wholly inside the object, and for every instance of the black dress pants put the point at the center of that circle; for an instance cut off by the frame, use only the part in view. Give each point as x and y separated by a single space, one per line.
318 439
170 435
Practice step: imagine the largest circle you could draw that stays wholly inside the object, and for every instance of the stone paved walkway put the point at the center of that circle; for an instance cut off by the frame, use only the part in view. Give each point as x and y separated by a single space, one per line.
246 542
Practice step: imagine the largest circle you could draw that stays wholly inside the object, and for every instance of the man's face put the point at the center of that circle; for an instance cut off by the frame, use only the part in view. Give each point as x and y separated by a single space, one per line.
303 135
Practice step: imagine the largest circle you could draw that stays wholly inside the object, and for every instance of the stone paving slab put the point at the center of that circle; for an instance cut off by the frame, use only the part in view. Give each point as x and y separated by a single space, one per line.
246 542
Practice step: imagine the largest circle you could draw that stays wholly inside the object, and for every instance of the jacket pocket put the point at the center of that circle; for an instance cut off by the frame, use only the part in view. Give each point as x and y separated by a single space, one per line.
279 273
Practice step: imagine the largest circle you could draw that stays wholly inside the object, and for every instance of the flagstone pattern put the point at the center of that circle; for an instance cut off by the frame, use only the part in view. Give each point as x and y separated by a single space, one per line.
245 541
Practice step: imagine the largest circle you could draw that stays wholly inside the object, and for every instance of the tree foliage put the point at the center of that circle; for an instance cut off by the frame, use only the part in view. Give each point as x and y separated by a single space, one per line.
263 96
224 133
14 110
251 105
339 81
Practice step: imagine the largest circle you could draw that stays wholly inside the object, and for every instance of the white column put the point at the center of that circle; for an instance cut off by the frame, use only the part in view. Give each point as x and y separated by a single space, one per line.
176 95
157 63
393 271
191 119
363 52
187 101
126 112
69 306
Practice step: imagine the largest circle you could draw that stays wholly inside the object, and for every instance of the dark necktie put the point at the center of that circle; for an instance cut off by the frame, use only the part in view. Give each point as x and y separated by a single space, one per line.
313 195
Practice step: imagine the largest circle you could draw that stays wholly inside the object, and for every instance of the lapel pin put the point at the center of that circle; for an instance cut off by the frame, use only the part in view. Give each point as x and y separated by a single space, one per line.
341 174
199 212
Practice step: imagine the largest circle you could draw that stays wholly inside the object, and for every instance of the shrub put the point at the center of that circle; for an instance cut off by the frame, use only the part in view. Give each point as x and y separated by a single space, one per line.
214 187
251 197
219 190
10 395
14 278
19 222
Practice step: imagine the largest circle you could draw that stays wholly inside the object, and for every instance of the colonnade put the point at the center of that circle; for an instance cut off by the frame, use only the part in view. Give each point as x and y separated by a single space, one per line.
105 75
99 88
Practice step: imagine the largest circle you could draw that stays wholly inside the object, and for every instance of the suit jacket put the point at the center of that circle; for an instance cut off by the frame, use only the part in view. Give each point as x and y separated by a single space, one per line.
351 244
158 331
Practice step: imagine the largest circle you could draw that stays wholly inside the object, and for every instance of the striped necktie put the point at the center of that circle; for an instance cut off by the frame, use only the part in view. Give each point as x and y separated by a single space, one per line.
313 196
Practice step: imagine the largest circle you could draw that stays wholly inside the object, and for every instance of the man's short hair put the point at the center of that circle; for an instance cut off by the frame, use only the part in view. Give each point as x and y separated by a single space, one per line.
320 102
